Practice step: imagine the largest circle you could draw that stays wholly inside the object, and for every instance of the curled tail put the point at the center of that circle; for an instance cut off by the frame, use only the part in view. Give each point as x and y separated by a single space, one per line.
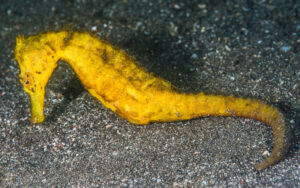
258 110
187 106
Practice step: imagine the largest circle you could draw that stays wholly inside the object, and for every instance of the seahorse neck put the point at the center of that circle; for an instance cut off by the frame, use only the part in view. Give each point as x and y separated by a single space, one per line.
76 50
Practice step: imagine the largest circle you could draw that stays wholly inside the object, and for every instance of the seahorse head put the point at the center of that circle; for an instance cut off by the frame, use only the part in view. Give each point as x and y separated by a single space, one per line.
36 59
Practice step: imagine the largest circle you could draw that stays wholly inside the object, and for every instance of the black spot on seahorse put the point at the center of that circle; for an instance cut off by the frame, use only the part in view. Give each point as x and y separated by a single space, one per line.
52 48
104 57
68 39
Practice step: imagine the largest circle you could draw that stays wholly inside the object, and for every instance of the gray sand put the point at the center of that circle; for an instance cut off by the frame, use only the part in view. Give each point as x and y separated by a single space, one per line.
244 48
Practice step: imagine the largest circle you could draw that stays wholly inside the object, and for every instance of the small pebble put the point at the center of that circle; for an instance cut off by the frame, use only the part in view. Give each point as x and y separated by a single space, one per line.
194 56
94 28
176 6
286 48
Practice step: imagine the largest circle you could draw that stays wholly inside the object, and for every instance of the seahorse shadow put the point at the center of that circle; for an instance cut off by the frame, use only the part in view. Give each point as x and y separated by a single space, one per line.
70 88
293 131
161 54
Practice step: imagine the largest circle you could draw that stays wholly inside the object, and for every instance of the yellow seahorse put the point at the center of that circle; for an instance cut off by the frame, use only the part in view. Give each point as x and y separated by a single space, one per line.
117 80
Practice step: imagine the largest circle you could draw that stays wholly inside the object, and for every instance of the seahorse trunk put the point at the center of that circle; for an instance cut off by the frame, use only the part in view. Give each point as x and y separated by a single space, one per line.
187 106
